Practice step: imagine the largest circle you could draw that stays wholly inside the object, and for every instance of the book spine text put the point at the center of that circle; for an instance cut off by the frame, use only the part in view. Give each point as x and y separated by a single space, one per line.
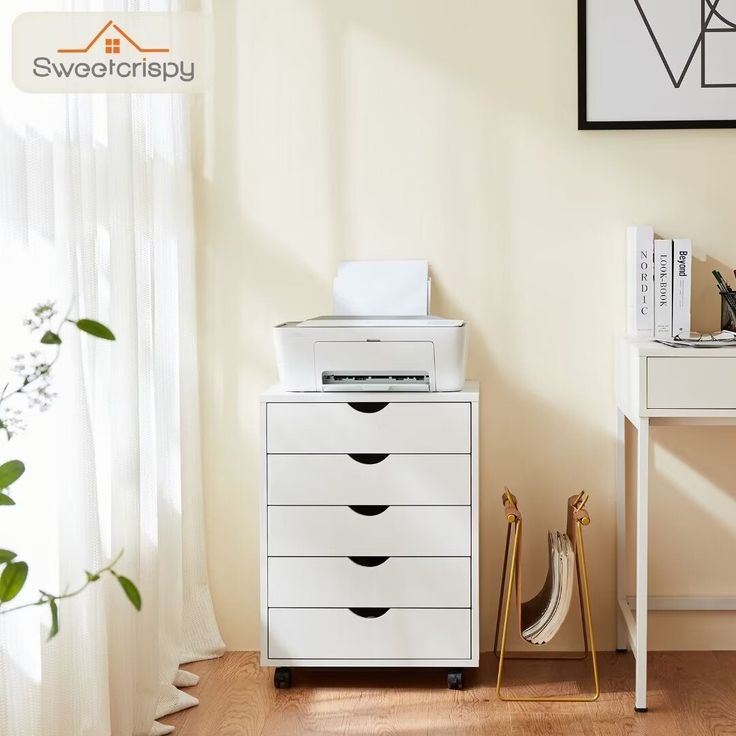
663 289
682 285
640 280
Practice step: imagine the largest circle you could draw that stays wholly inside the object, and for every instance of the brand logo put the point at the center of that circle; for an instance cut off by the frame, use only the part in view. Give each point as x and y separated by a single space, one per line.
112 43
132 52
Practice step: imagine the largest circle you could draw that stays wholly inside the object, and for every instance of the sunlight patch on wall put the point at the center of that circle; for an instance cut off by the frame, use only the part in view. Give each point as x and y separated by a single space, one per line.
413 136
283 147
708 498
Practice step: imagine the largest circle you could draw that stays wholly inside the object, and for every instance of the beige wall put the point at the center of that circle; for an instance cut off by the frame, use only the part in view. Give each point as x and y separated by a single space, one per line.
446 130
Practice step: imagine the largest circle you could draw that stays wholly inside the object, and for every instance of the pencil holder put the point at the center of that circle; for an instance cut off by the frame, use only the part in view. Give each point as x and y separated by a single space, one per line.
728 311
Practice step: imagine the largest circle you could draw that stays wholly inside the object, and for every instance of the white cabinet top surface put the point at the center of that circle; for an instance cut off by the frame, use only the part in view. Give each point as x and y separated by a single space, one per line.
470 392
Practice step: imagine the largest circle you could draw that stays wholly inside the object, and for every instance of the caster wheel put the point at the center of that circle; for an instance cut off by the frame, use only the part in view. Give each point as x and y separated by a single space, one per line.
455 680
282 677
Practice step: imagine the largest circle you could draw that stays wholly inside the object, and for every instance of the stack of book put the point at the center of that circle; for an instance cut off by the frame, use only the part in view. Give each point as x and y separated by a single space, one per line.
542 616
659 282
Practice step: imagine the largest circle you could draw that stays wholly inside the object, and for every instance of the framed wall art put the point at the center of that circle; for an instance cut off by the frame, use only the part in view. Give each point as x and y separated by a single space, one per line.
656 64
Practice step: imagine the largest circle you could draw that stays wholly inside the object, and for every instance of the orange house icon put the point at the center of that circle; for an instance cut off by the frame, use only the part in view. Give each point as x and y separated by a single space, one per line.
112 43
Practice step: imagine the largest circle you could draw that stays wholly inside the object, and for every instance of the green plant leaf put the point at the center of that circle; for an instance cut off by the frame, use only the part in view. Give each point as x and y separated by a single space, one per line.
94 328
92 577
6 500
131 591
6 555
10 472
12 580
50 338
54 608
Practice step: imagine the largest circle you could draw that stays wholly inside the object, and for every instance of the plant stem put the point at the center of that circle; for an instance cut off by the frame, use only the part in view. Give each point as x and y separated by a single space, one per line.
46 597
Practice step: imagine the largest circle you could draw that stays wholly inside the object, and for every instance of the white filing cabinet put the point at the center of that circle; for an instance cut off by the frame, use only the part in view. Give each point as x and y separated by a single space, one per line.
369 530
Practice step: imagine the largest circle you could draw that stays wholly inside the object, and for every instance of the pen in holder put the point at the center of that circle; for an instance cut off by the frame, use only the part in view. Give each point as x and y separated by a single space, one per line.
728 311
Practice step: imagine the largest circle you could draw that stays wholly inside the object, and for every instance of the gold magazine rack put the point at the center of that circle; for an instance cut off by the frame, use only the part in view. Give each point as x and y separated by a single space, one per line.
577 518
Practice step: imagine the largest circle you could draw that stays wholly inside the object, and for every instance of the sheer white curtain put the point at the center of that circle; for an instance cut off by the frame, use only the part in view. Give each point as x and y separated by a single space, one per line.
96 213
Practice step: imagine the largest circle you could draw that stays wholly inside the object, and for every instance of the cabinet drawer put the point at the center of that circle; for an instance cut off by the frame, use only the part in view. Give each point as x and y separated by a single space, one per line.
369 479
338 633
366 427
691 383
334 582
423 531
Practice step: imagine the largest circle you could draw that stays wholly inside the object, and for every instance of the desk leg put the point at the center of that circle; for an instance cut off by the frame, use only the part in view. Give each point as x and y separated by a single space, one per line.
622 638
642 549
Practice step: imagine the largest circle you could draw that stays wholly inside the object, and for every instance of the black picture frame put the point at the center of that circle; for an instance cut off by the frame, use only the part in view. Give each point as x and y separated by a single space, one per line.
585 124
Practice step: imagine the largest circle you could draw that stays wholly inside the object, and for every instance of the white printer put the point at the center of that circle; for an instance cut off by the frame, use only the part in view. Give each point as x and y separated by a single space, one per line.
414 353
352 352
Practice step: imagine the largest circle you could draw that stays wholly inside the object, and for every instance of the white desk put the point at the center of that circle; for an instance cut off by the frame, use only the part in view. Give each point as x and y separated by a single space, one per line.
658 385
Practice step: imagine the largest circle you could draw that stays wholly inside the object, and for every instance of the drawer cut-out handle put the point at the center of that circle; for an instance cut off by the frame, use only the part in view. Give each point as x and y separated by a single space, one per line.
368 510
368 458
368 561
369 612
368 407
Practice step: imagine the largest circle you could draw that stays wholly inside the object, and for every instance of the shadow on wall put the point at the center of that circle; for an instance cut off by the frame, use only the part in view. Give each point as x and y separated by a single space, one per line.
360 129
518 422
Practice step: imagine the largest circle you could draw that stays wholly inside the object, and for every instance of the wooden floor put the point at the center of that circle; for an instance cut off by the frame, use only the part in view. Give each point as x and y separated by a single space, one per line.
691 694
